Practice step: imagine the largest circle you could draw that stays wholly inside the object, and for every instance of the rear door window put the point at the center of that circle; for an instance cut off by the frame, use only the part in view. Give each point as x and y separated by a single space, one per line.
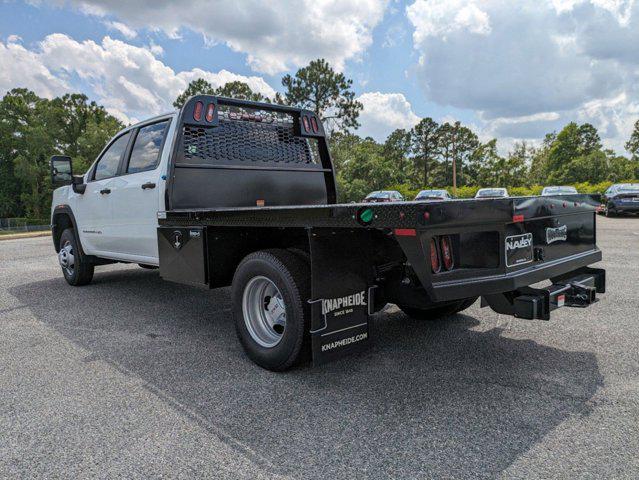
147 148
109 162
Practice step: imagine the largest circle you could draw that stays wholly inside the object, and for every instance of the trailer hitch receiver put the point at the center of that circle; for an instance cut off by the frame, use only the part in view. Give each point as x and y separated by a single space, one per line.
575 289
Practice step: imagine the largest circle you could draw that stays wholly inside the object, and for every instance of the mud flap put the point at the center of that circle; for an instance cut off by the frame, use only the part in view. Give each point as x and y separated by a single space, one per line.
342 294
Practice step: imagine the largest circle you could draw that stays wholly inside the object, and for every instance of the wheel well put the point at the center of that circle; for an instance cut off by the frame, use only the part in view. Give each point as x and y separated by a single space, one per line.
238 242
61 221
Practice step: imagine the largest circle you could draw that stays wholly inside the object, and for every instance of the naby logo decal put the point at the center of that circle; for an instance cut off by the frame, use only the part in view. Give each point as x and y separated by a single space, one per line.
516 243
355 300
556 234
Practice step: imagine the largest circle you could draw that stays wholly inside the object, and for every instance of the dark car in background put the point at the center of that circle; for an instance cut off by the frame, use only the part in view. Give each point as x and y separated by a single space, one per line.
384 196
429 195
558 190
620 198
492 193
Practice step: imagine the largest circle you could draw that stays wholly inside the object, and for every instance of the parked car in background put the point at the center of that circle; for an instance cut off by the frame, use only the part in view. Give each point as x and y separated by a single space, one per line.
384 196
491 193
620 198
433 195
558 190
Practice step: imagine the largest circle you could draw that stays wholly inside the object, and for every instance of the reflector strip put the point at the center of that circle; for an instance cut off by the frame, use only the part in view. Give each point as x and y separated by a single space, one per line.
405 232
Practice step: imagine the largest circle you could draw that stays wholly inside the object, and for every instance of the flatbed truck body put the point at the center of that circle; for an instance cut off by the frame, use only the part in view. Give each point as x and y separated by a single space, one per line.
250 189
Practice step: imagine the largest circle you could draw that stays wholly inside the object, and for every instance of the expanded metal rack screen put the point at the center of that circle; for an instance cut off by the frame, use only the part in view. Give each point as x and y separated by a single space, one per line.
247 136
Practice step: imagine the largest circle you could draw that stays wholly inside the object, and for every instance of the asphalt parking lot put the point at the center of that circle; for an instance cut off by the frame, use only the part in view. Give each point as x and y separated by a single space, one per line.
135 377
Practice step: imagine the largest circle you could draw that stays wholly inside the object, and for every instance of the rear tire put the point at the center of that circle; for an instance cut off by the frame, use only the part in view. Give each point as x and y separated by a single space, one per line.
437 313
609 213
270 293
76 269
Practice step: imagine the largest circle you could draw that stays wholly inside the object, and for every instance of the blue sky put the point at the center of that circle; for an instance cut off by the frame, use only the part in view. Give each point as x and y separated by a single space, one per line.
510 70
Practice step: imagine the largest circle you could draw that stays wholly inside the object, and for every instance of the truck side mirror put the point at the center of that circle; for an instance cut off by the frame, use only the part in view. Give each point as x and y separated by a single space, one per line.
61 170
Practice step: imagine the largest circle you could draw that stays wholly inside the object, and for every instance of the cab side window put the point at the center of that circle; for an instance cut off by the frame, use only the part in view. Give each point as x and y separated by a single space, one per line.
147 148
107 166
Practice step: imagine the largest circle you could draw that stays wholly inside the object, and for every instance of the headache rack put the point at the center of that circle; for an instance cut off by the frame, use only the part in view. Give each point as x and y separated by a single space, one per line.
253 153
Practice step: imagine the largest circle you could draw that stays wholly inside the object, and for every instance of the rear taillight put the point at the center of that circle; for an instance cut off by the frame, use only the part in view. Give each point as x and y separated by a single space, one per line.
197 111
210 110
307 127
447 252
435 264
314 125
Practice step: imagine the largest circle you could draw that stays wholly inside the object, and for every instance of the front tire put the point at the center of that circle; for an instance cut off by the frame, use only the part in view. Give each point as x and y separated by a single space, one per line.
437 313
270 293
76 269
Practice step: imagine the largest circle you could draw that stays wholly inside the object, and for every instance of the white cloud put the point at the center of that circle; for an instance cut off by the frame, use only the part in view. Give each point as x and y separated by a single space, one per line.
275 36
155 49
383 113
528 67
127 32
441 17
128 80
23 68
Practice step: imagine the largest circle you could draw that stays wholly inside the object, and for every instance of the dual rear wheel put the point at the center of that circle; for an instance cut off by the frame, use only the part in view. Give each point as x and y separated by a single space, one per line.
270 293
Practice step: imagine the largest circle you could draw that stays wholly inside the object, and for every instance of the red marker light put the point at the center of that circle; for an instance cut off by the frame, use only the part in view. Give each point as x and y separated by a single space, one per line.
405 232
314 125
210 110
197 111
561 300
518 218
305 122
434 257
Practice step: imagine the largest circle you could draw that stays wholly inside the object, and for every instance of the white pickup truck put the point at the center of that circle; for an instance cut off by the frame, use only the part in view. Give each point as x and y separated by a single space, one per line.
231 192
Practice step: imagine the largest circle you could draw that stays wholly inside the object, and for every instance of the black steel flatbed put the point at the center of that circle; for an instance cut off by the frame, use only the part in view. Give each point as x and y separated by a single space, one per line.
257 178
419 214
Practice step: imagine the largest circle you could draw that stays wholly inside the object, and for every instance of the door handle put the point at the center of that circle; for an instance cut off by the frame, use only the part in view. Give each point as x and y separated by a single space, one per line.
105 190
148 185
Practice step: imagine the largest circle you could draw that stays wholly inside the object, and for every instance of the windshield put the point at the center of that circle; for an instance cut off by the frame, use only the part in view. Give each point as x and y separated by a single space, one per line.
629 189
379 195
432 193
491 192
558 190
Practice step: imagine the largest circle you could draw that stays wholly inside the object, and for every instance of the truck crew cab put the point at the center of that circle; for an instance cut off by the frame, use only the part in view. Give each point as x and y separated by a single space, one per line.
231 192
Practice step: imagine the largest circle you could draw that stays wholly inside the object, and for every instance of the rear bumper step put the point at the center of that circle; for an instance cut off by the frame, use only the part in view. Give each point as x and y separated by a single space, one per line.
574 289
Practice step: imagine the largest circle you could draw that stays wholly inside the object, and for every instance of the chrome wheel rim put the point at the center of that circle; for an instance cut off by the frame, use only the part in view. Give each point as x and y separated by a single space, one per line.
66 258
264 311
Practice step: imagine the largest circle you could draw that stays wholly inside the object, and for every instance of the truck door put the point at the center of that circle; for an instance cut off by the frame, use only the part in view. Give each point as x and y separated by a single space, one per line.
136 197
93 210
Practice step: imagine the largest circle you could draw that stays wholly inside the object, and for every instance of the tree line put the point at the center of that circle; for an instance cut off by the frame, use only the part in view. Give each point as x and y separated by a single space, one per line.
433 155
428 155
34 128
